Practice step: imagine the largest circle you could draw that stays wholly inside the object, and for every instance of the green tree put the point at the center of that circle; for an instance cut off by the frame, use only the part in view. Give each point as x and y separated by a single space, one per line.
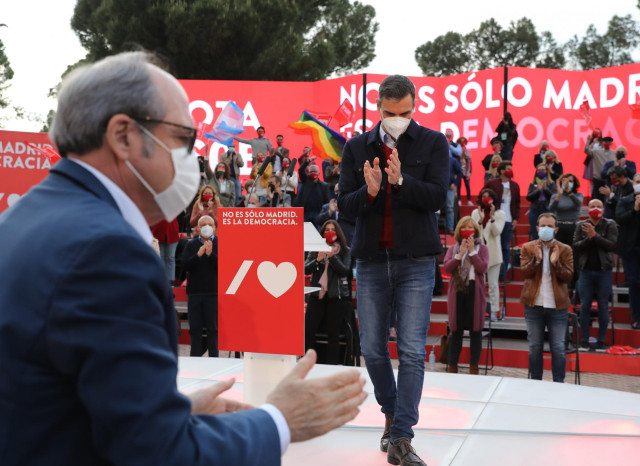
612 48
490 46
227 39
6 74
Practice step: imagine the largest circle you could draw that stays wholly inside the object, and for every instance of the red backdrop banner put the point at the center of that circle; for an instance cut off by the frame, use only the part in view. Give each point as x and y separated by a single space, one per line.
261 280
545 104
21 165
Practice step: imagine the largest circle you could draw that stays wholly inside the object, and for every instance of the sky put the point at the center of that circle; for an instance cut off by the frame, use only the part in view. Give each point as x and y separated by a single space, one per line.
40 44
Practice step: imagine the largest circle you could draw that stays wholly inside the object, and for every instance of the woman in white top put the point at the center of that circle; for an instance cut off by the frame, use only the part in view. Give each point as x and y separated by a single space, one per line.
491 222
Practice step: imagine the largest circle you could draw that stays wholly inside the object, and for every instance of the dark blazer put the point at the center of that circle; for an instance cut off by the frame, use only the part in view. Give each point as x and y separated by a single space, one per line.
606 240
629 166
496 185
88 343
424 155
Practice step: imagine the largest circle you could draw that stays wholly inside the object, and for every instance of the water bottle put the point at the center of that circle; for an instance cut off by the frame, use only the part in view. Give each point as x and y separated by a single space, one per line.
432 360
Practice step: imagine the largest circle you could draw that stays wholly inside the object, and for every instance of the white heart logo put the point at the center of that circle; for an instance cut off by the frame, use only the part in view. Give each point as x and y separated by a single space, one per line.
277 280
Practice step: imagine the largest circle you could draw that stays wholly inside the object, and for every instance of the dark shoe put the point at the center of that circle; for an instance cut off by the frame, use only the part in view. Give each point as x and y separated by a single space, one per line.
386 435
601 347
636 325
474 370
584 346
452 369
402 453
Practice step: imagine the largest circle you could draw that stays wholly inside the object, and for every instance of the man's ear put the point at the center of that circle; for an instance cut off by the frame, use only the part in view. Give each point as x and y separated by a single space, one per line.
122 136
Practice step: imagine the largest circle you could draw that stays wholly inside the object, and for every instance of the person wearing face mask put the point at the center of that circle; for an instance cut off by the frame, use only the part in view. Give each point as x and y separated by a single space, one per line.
566 204
224 187
594 242
554 166
200 261
542 150
90 346
206 204
508 192
393 180
467 261
291 182
491 223
234 161
258 144
331 272
496 147
330 211
620 187
492 171
547 268
540 192
278 153
599 157
312 195
620 160
508 135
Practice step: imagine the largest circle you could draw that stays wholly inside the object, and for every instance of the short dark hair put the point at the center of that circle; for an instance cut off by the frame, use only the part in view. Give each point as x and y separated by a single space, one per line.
396 87
548 214
260 128
503 165
492 194
618 170
279 136
576 181
277 178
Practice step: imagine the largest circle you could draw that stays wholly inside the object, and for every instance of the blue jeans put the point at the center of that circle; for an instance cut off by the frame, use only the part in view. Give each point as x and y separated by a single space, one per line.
406 285
505 243
168 255
594 284
451 198
556 322
631 263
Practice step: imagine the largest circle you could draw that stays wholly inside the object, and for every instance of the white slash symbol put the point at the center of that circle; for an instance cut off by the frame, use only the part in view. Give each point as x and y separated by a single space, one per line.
240 274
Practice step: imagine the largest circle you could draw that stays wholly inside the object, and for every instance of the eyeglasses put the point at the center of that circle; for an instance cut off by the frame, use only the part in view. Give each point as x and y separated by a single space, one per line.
193 132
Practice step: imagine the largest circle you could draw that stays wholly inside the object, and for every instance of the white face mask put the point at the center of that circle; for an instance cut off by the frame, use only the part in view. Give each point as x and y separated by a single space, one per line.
185 181
636 188
395 126
206 231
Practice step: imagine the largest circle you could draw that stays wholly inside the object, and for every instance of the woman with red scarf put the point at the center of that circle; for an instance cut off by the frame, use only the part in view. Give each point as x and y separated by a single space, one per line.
331 272
467 262
491 223
206 204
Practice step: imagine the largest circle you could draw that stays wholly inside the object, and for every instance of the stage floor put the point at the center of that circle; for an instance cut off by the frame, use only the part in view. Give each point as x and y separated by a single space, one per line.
469 420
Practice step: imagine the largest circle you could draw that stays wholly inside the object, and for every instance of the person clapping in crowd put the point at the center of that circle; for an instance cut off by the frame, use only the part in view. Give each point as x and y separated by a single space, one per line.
279 153
465 164
541 189
467 262
491 223
331 272
330 211
594 241
221 181
332 173
566 203
508 135
508 192
547 268
234 161
206 204
200 260
290 182
599 156
496 146
262 184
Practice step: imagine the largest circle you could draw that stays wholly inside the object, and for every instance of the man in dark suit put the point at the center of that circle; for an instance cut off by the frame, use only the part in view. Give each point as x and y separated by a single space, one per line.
88 337
508 192
393 180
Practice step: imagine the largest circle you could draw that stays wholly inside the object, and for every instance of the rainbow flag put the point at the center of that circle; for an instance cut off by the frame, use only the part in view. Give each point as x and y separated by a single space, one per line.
327 143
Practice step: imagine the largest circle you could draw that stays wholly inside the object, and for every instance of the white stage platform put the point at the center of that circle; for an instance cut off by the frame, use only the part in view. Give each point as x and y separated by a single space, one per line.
470 420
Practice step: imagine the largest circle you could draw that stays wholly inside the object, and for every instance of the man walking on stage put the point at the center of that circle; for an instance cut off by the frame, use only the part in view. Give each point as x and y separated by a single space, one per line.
393 180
